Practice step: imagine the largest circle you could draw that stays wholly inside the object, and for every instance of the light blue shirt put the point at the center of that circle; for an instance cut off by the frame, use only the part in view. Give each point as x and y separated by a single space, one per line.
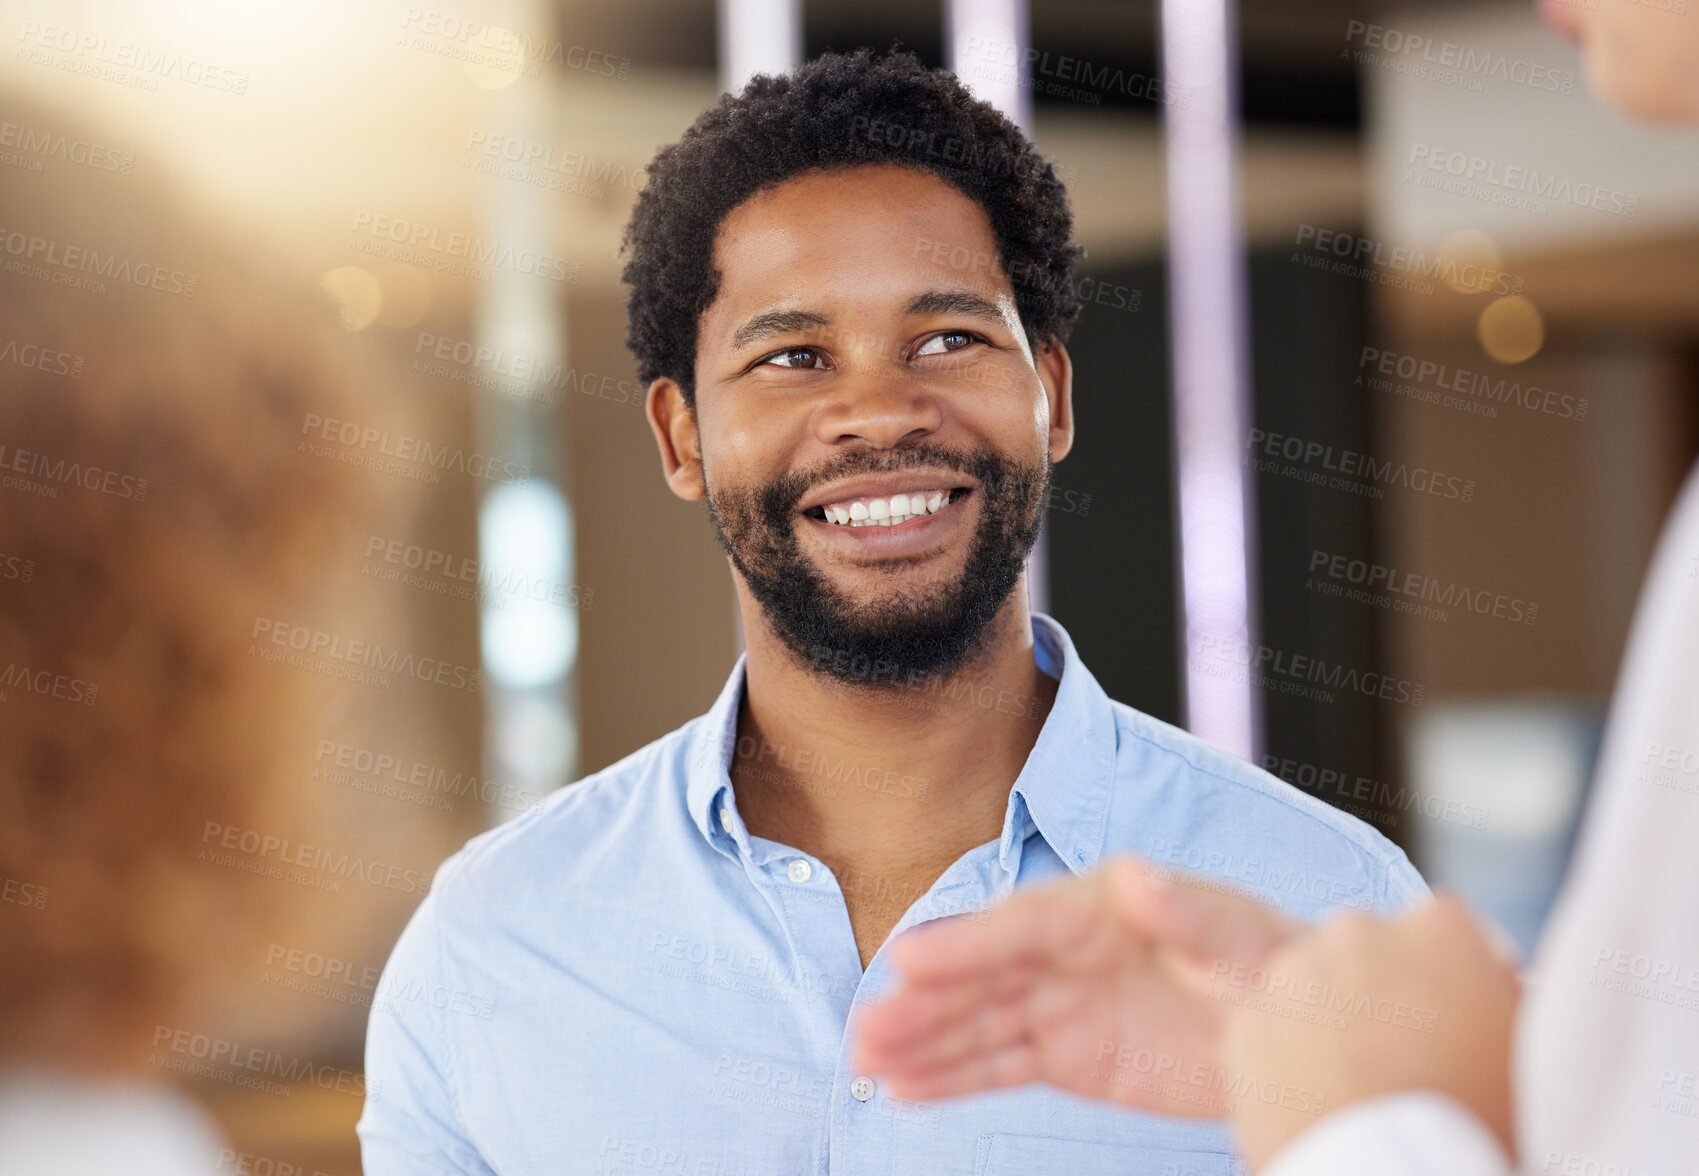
625 981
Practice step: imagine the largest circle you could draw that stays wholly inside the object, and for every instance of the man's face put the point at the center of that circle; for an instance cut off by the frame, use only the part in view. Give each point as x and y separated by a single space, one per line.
875 436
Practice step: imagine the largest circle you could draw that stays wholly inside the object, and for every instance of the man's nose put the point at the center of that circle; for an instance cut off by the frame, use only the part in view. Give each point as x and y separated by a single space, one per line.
881 405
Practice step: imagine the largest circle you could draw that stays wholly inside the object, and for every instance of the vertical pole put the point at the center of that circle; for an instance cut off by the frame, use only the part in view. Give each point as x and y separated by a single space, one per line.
985 46
757 36
1212 413
529 639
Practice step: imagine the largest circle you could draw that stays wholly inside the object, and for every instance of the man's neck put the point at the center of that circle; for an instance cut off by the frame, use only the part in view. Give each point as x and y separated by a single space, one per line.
887 786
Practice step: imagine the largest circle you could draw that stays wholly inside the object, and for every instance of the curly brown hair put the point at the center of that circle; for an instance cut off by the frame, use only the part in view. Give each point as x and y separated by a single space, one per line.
839 110
152 505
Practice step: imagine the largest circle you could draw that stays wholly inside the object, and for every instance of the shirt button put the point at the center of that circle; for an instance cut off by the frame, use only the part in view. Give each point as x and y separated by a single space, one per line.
861 1089
800 871
726 817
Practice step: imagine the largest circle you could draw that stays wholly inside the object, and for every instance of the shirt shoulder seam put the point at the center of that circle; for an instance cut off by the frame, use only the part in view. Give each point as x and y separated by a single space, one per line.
1124 722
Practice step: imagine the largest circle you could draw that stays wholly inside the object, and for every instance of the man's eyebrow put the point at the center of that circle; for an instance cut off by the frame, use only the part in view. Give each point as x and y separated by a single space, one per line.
956 302
780 322
776 322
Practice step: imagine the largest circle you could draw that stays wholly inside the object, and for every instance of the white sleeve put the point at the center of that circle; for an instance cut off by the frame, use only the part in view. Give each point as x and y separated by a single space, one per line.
1607 1043
1607 1037
1416 1133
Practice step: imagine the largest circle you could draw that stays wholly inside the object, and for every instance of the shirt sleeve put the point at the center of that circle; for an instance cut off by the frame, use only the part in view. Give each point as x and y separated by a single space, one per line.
1402 889
1415 1133
411 1124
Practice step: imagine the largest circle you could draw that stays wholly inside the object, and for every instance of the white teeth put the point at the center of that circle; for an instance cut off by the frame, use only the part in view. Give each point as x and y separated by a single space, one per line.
886 512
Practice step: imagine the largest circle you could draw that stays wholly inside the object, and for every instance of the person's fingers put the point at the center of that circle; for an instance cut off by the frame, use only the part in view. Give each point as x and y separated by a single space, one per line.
1200 918
1032 924
1454 909
1016 1064
928 1004
931 1006
988 1029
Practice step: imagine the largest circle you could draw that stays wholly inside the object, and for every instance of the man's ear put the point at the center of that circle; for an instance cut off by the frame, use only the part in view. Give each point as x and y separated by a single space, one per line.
674 425
1056 373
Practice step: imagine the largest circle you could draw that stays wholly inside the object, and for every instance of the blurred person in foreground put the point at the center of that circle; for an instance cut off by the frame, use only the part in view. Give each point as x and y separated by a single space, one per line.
152 504
1433 1061
851 288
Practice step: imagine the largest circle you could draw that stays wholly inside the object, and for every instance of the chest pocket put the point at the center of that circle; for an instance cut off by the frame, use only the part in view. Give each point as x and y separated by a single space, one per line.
1035 1155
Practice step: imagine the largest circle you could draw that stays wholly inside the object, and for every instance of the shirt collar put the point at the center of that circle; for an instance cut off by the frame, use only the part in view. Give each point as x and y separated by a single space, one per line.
1063 790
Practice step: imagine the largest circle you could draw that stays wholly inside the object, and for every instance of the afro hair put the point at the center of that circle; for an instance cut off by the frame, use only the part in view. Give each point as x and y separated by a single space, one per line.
839 110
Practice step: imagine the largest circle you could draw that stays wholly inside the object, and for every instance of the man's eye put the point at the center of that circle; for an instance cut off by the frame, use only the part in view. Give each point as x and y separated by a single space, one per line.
947 341
794 357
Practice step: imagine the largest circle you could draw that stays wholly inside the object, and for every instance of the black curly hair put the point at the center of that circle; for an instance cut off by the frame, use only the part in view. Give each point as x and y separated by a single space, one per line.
839 110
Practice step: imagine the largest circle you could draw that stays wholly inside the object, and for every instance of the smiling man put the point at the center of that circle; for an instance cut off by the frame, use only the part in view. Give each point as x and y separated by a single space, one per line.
851 289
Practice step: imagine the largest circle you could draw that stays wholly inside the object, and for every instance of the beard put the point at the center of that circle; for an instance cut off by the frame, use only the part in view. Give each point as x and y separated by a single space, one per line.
898 637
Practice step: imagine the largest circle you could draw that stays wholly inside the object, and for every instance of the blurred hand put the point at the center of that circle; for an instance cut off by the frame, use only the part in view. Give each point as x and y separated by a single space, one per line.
1098 985
1423 1003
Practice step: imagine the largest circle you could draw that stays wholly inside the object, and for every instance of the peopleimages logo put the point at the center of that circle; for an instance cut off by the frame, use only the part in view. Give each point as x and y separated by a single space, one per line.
1448 61
1258 874
1676 974
48 684
368 655
49 260
42 359
256 1060
1060 76
1348 469
16 567
24 894
253 1164
1480 389
1375 579
1278 668
367 770
525 376
447 35
452 252
512 157
66 473
366 445
1406 262
461 577
1670 767
265 854
128 62
1211 1086
1525 188
1379 802
41 143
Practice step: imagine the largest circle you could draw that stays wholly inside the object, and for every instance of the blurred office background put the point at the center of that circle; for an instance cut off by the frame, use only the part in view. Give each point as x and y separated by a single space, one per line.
1540 374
